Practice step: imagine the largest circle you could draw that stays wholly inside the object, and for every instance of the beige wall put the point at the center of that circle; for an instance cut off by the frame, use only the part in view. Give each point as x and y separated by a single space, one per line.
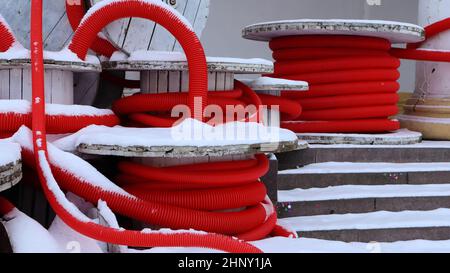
222 36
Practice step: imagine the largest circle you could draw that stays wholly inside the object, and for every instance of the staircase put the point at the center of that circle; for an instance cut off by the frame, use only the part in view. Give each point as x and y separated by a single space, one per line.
367 193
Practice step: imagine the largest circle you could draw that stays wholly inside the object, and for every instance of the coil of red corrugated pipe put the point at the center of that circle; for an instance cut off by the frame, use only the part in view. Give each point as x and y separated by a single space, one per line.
141 209
353 80
10 122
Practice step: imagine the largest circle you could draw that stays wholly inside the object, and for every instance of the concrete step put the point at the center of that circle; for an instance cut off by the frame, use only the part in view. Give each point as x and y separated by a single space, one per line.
362 199
427 151
381 226
328 174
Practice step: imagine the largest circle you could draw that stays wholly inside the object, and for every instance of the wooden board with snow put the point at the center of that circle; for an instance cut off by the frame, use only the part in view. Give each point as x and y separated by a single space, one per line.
51 64
10 165
20 57
396 32
275 84
183 140
176 61
400 137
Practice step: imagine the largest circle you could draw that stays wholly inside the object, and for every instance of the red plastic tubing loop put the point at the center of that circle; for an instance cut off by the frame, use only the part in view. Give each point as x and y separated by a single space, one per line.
413 52
353 82
82 40
86 34
56 124
75 13
135 109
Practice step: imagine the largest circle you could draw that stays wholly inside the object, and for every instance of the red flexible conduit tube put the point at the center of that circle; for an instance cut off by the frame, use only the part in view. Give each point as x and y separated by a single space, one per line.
353 79
83 38
353 82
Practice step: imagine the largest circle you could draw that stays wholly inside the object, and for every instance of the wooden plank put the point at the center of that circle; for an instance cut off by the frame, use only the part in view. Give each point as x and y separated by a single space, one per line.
27 85
139 34
220 81
4 84
189 151
163 81
191 12
229 81
174 81
15 89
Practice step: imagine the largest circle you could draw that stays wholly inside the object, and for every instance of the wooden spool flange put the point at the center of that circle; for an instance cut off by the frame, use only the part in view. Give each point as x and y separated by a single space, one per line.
396 32
15 78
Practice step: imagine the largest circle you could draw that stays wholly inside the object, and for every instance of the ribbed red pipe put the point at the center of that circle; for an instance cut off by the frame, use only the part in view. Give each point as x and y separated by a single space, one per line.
56 124
413 52
75 12
351 79
7 38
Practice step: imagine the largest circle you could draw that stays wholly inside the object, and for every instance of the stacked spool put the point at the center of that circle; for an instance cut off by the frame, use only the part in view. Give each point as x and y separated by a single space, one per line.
163 73
352 76
427 111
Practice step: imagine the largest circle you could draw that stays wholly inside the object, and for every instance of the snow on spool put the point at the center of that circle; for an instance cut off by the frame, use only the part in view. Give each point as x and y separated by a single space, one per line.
427 111
10 165
15 74
395 32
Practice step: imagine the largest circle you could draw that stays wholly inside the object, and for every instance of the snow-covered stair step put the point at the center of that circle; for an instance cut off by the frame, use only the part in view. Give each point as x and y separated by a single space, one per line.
381 226
427 151
327 174
360 199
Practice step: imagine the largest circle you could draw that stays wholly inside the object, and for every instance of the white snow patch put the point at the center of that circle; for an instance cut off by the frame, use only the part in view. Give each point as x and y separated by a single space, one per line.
351 167
24 107
188 133
371 220
28 236
283 83
9 152
169 56
424 144
18 52
357 192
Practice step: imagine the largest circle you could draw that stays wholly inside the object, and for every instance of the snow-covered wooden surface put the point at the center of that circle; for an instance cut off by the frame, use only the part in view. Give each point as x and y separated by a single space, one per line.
396 32
176 61
10 165
274 84
400 137
15 84
180 141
